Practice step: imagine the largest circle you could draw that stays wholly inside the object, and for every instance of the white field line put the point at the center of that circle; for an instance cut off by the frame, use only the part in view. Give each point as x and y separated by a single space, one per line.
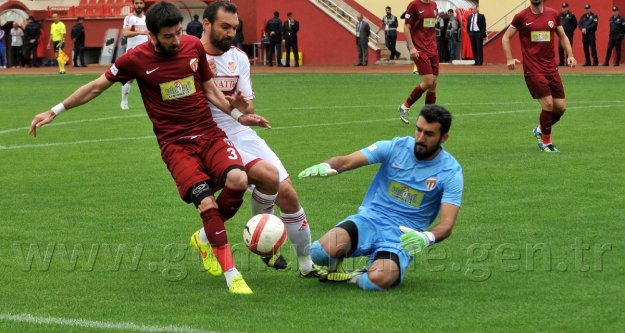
73 322
477 114
307 108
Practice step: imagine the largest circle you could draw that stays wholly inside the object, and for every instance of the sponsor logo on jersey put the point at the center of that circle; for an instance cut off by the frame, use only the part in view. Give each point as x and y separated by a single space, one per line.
405 194
177 88
429 22
540 36
226 84
194 63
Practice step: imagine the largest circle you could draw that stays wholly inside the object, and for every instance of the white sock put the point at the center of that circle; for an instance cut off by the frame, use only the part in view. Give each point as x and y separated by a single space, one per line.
230 275
125 92
262 203
298 231
203 237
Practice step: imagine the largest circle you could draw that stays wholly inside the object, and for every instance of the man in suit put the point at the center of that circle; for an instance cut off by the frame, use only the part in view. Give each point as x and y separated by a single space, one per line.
476 26
362 40
273 28
289 30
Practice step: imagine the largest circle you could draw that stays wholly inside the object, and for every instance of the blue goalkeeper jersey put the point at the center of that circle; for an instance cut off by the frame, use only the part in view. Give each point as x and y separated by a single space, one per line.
407 191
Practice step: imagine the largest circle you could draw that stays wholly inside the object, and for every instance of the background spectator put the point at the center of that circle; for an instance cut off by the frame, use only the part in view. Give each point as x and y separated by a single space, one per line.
32 32
195 27
273 28
238 37
17 42
290 29
78 36
363 31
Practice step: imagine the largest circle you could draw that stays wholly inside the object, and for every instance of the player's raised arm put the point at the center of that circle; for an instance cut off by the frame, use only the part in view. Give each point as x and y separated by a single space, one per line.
335 165
505 42
81 96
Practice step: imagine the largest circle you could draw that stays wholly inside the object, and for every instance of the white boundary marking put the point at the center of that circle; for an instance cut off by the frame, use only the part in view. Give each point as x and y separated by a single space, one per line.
477 114
125 326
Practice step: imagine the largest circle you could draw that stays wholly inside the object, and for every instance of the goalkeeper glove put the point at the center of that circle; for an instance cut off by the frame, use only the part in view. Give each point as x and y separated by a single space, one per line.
319 170
414 241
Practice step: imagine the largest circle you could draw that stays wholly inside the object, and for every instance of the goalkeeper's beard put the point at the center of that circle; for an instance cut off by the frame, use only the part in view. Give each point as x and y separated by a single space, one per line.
422 152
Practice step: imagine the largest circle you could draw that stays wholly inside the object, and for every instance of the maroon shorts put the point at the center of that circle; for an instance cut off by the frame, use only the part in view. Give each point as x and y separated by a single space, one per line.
545 85
427 65
203 158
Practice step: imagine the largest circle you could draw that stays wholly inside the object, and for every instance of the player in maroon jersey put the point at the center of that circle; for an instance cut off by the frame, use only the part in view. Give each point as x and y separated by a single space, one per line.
420 33
175 82
537 26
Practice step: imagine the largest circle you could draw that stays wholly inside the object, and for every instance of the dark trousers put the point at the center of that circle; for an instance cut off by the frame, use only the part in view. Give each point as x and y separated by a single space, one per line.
275 46
363 51
291 44
451 46
477 45
390 39
16 56
79 52
614 42
569 35
31 49
590 47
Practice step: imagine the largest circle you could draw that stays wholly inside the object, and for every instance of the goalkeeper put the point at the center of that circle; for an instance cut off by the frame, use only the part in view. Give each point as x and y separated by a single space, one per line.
417 179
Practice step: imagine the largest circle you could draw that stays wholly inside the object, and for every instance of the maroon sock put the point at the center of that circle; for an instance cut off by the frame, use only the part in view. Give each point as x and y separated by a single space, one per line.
214 227
414 96
229 201
555 117
545 126
217 237
430 97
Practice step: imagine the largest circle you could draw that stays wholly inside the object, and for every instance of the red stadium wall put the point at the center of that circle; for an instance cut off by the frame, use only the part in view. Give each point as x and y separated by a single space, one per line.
493 52
321 39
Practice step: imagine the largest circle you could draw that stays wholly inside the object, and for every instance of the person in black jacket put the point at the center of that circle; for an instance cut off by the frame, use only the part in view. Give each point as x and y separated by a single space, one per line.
617 31
78 36
273 29
195 27
289 31
238 35
588 26
476 26
31 41
569 24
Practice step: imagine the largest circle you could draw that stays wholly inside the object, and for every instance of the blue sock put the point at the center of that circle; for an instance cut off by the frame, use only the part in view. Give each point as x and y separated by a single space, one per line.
365 284
319 255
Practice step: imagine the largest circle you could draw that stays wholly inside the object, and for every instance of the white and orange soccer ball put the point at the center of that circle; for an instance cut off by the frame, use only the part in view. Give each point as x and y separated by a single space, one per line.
264 234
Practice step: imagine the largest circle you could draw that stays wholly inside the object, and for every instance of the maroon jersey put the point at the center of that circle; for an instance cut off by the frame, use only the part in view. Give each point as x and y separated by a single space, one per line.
422 19
171 88
536 33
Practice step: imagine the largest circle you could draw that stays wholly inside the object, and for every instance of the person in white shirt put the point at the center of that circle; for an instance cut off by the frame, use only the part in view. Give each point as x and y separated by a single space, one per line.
265 171
17 41
136 32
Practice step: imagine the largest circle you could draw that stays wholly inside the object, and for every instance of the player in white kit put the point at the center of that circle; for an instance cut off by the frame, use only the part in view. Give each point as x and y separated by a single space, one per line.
231 67
136 33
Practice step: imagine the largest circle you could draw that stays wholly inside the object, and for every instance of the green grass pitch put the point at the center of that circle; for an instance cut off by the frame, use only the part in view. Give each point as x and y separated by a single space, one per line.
93 235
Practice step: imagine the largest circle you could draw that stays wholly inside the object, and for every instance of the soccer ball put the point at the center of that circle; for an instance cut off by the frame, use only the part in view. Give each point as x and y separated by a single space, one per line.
264 234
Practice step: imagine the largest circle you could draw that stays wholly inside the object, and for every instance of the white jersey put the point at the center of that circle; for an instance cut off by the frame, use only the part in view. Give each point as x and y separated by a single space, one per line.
135 23
233 74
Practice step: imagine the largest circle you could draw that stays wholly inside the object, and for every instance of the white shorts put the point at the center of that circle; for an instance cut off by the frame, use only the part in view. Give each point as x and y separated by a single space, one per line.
253 148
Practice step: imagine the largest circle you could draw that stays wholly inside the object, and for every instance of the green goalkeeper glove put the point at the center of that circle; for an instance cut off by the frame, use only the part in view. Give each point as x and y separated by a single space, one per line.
319 170
415 241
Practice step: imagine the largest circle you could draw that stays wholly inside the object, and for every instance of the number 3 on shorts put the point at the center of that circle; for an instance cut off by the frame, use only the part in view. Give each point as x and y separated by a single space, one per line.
233 154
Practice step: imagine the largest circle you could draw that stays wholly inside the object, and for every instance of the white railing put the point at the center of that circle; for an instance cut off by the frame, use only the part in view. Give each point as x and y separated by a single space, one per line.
348 20
503 22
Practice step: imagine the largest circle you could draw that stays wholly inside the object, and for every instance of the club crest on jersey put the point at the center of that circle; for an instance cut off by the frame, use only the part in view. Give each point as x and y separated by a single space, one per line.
430 183
551 24
232 66
193 63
